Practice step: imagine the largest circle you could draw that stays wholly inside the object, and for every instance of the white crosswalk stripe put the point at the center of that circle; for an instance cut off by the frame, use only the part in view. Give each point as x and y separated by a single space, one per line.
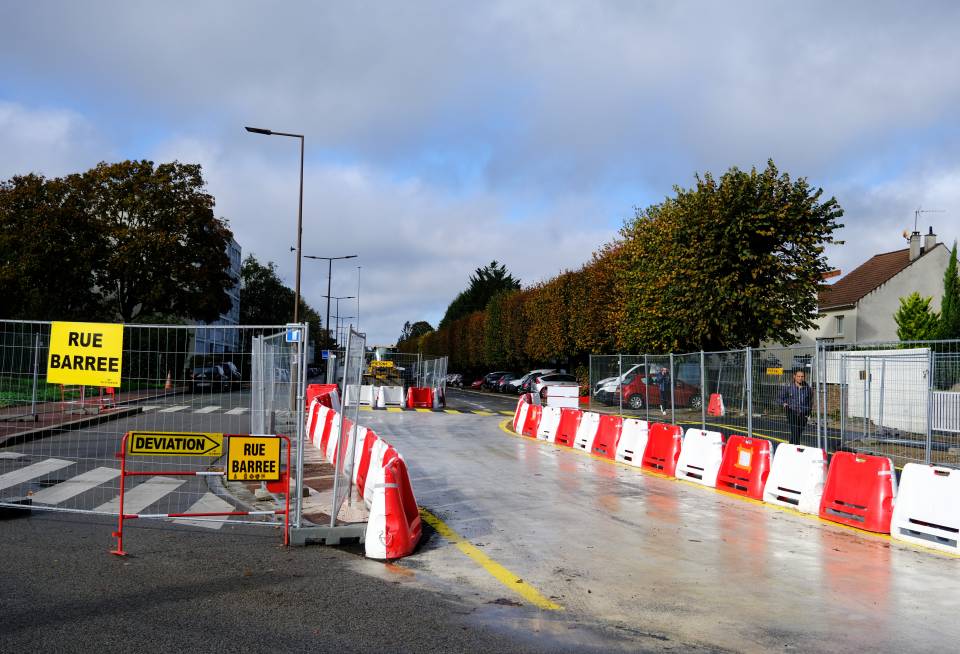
150 408
142 496
172 409
72 487
207 409
209 503
238 411
32 471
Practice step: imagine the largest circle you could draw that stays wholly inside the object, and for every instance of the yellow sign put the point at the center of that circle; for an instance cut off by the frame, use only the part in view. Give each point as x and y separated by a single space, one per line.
85 353
253 458
175 443
774 371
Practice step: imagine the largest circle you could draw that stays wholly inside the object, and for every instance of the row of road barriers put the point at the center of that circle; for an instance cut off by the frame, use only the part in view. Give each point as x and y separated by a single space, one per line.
380 397
856 490
376 471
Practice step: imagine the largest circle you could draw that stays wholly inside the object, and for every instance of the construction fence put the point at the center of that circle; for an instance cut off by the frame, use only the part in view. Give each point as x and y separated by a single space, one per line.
900 400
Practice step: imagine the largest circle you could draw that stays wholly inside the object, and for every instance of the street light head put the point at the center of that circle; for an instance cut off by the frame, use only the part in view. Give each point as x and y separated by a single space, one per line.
258 130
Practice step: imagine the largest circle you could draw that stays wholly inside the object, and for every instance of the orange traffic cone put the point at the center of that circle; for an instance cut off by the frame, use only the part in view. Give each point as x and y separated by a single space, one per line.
169 385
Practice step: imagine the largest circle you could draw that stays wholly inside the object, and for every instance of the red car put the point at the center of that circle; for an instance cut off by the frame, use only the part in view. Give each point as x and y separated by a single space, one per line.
640 391
477 385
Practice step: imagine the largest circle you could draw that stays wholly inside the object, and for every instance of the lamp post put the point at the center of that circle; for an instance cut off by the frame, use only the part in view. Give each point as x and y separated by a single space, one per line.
329 261
337 300
269 132
345 318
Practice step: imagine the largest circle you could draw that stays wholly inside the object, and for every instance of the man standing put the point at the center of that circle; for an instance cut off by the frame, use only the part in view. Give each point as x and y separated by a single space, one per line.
663 385
795 398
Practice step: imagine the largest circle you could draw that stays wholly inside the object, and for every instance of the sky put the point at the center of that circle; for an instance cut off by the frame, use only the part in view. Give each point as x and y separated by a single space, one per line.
442 135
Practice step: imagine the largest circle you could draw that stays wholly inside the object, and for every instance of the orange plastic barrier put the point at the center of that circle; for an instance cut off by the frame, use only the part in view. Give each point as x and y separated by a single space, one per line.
532 422
419 397
363 468
608 435
663 448
321 391
745 466
402 529
715 407
567 429
859 492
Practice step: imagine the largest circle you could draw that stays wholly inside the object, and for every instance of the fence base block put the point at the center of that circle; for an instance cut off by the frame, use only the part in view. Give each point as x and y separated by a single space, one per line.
340 535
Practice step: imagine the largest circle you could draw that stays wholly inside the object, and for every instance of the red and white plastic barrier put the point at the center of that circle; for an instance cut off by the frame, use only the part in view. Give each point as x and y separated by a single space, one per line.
715 407
520 414
587 431
633 441
380 475
419 397
797 476
549 421
663 449
569 424
860 491
700 457
745 466
927 510
327 394
532 422
608 436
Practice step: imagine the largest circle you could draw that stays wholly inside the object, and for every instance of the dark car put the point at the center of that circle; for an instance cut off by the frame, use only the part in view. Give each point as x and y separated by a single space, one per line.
209 378
503 384
490 379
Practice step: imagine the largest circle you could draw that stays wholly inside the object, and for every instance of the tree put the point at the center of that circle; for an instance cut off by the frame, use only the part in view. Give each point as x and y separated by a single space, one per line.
728 263
164 251
414 330
949 326
49 249
483 285
915 321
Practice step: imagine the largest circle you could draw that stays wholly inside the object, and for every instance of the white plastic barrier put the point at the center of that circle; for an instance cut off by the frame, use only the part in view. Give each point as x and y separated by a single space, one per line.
796 479
549 421
520 415
563 397
700 457
927 510
315 433
368 395
375 474
392 395
587 431
633 441
351 395
313 418
332 439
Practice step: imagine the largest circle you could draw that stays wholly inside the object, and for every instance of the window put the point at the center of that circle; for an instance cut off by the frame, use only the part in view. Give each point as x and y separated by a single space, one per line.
839 325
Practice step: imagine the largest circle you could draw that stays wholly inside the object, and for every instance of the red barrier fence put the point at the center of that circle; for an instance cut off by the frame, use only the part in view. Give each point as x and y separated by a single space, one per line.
859 492
745 466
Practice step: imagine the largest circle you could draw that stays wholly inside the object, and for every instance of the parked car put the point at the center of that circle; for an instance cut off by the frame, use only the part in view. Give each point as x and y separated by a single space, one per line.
212 378
477 385
606 387
641 390
503 384
455 379
541 382
490 379
516 385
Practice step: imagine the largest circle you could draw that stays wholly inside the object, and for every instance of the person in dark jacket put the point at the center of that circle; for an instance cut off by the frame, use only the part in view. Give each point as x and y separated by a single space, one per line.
796 399
663 383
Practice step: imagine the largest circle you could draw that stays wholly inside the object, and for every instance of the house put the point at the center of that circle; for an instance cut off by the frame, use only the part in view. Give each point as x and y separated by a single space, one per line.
859 307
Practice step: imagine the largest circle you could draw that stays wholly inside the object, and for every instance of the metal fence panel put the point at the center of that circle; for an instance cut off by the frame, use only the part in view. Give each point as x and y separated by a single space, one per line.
354 367
58 444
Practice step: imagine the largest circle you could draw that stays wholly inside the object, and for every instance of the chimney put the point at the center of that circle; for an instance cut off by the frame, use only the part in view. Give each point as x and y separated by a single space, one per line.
914 246
929 241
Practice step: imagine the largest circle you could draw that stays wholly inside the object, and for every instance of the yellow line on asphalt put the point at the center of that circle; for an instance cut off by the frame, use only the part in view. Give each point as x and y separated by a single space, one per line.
484 413
451 411
507 413
394 409
497 571
777 507
366 408
421 410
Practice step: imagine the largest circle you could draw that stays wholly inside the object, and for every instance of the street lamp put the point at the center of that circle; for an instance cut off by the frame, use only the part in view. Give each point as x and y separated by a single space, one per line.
345 318
329 261
337 299
268 132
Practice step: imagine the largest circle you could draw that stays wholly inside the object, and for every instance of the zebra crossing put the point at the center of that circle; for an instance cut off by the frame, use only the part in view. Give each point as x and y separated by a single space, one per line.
64 493
187 408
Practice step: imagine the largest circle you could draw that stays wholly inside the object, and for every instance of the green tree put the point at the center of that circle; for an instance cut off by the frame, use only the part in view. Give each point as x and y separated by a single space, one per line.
163 250
915 321
949 326
727 263
411 334
484 283
49 250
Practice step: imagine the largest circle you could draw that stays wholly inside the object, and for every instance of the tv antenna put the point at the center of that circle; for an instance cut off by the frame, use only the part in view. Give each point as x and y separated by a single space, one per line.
918 211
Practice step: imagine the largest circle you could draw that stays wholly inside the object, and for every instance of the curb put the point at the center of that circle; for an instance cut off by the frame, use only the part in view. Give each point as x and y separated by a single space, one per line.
40 432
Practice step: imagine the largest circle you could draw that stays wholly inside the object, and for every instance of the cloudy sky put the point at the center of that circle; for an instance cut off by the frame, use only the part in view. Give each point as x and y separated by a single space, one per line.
441 135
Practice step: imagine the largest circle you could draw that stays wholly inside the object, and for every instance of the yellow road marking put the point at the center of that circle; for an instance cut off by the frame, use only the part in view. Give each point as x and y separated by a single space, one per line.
451 411
394 409
507 413
777 507
424 410
497 571
484 413
366 408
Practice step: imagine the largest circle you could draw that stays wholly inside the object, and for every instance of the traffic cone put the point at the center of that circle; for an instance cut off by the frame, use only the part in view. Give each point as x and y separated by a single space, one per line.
169 385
